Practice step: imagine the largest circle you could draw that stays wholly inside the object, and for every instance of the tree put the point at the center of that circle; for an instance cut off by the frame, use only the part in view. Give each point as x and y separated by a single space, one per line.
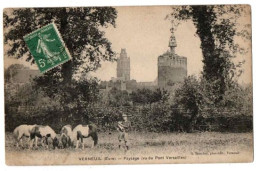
216 27
190 96
118 97
159 95
80 29
142 96
147 96
239 99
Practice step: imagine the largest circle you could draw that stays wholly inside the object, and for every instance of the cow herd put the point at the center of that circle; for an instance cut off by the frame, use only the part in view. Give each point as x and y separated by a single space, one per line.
67 137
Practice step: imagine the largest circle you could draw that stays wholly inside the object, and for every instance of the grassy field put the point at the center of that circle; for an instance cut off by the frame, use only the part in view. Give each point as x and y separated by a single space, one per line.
144 148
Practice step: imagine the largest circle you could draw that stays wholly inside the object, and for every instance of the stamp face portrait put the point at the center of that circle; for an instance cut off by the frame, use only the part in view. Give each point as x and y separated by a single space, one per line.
47 47
128 85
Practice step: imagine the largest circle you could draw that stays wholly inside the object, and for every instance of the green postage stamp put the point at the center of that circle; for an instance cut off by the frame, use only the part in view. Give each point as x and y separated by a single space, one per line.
47 47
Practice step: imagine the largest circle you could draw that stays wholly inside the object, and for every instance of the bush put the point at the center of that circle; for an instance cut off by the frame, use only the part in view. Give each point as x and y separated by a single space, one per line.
198 109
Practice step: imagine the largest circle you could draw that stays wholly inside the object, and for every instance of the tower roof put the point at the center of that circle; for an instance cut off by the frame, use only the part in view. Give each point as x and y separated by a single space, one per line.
123 53
123 50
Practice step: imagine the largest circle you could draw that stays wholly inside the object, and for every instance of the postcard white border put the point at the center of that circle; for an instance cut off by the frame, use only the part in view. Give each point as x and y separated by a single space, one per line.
255 5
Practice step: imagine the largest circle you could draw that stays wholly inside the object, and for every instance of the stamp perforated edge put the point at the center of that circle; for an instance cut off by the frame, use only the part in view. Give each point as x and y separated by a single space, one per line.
61 39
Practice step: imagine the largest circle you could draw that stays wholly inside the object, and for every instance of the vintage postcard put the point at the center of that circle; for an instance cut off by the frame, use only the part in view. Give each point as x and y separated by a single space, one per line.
128 85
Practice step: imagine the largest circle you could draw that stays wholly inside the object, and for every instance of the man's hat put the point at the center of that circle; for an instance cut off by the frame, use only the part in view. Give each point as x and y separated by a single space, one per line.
126 115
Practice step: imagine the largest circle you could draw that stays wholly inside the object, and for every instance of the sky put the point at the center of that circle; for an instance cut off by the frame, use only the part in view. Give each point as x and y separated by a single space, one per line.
144 33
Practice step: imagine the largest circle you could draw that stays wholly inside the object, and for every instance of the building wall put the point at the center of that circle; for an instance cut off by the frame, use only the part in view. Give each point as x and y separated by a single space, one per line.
171 69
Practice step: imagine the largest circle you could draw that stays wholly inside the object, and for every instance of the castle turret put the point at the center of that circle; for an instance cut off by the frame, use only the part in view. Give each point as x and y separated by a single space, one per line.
172 68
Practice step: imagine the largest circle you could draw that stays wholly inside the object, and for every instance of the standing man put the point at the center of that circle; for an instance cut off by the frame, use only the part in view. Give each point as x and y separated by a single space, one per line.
123 128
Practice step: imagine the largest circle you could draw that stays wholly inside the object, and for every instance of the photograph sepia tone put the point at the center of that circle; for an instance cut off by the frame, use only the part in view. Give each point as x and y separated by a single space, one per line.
128 85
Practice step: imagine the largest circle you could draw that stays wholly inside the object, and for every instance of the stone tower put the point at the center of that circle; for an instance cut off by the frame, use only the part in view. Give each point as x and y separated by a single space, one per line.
123 66
172 68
